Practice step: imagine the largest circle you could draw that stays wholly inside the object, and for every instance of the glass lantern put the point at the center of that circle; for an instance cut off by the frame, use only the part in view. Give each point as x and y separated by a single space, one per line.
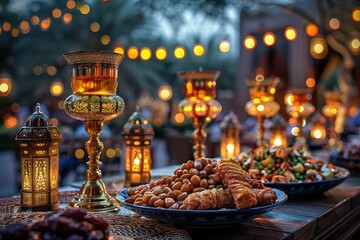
39 144
278 135
138 134
230 136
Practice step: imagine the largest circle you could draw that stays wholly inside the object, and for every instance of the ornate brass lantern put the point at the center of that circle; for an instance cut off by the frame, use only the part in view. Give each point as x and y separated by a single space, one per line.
333 107
230 136
278 135
138 134
199 88
299 107
262 104
39 144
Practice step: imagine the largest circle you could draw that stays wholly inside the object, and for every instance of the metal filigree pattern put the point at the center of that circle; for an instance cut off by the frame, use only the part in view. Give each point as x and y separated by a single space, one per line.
54 169
41 199
26 173
40 174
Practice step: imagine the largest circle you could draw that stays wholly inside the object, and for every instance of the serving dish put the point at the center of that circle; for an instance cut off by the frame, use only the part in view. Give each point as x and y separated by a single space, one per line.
200 218
309 188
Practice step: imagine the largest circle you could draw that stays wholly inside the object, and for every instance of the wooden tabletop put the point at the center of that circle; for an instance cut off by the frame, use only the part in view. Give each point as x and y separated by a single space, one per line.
332 215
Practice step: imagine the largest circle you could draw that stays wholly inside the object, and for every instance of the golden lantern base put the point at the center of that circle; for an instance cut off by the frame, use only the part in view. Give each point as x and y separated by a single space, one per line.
94 197
45 208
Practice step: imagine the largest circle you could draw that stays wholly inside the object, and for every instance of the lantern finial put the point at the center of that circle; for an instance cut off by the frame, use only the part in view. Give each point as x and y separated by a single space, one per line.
38 108
137 108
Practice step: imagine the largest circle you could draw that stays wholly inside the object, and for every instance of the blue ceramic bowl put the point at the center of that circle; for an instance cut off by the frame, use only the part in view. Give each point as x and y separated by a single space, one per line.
309 188
200 218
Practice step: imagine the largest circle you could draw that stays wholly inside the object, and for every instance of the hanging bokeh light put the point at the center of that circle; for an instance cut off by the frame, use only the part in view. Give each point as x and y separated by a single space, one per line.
67 18
179 52
334 23
85 9
249 42
224 46
25 26
199 50
105 39
133 53
45 24
6 26
56 13
310 82
15 32
160 53
354 46
94 27
165 92
10 121
56 88
5 85
318 48
70 4
119 50
269 39
290 33
312 30
35 20
145 53
355 14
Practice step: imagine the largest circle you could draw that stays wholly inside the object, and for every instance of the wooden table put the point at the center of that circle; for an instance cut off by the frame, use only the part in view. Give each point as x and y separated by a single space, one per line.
332 215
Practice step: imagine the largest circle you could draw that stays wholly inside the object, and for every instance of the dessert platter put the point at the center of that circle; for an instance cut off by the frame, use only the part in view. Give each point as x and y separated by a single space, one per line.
203 193
291 170
347 156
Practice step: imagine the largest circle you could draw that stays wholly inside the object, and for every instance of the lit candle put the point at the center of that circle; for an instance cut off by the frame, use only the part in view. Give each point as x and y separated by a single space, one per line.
278 141
230 147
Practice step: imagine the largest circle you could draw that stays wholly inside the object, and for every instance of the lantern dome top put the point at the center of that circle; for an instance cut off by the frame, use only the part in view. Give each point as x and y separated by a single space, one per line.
38 126
230 120
137 125
38 118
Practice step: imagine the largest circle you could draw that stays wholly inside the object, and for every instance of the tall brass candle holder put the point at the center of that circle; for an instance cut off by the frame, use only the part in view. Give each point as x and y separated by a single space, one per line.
262 104
333 106
199 88
298 106
94 80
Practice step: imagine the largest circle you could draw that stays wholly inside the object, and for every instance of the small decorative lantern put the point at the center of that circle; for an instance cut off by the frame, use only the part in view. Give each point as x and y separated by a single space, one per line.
138 133
278 132
318 127
230 131
39 143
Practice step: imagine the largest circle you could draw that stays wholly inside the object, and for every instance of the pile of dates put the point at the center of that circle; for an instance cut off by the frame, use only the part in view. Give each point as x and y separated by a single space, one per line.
171 191
70 224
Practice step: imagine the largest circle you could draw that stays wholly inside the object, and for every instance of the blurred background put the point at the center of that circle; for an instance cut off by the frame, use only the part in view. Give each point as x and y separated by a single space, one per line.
313 44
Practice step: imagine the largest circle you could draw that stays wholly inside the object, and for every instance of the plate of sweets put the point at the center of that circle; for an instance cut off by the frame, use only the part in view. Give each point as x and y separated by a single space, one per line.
203 193
348 155
291 170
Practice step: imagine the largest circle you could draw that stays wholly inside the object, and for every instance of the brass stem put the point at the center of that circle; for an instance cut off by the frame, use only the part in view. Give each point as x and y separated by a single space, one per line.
199 135
94 148
261 130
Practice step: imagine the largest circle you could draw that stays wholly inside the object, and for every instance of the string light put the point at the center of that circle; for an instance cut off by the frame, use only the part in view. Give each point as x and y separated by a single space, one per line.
70 4
355 14
35 20
119 50
67 18
311 30
145 53
318 48
224 46
310 82
133 53
56 13
6 26
15 32
94 27
85 9
45 24
334 23
160 53
105 39
198 50
269 39
179 52
290 33
249 42
354 46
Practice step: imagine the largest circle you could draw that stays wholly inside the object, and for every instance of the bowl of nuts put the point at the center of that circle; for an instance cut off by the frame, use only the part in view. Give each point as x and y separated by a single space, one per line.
202 193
